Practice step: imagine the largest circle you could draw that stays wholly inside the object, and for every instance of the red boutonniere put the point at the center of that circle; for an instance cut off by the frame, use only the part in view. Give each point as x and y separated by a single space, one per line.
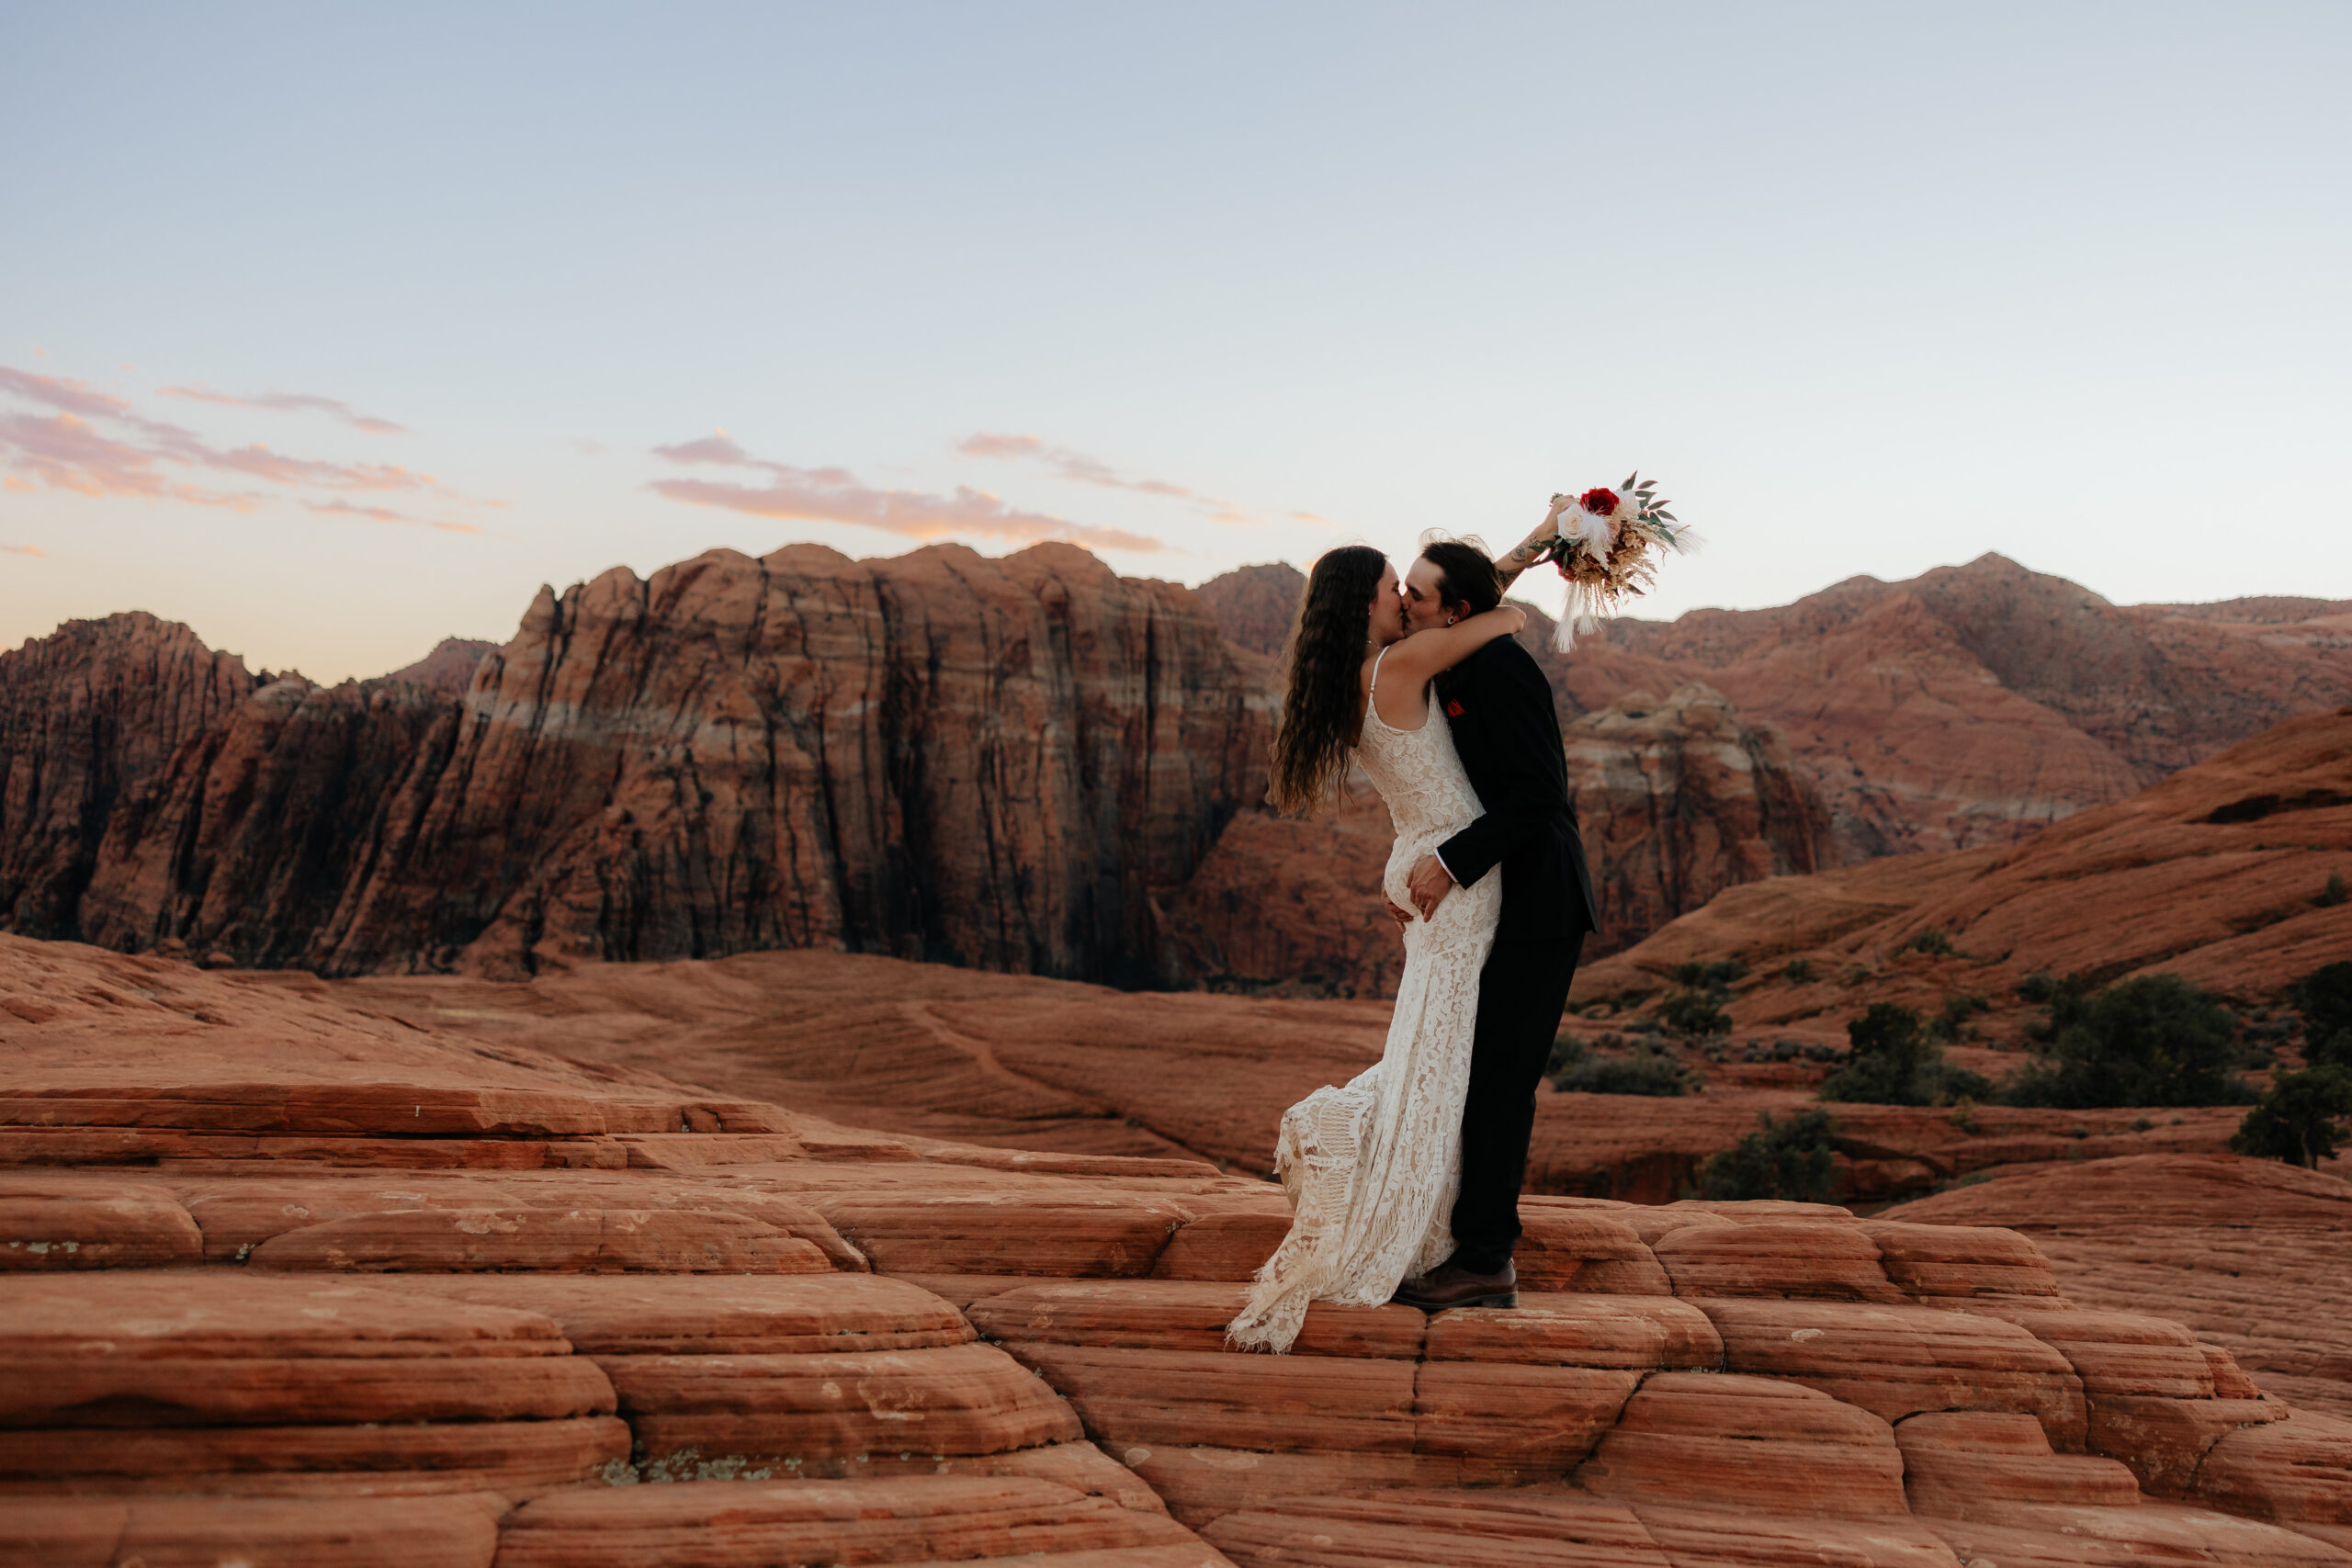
1453 709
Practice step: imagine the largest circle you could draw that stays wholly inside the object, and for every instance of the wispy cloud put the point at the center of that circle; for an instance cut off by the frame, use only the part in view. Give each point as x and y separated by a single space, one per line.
93 443
62 392
834 495
21 550
339 507
290 403
1081 468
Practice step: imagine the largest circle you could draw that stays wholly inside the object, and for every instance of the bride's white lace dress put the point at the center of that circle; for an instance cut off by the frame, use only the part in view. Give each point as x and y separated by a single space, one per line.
1371 1164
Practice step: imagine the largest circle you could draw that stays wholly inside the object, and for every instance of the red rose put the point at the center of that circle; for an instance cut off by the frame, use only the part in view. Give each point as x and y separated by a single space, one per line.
1454 710
1599 502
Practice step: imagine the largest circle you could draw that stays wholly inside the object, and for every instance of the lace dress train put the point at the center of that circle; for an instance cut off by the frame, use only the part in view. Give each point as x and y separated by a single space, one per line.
1371 1166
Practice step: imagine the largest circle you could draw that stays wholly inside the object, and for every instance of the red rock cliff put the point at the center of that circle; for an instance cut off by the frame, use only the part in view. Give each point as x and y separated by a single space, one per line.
86 713
992 762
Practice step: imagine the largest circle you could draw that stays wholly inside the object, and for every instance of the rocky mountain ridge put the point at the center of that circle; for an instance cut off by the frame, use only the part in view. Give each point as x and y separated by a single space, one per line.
1028 764
995 762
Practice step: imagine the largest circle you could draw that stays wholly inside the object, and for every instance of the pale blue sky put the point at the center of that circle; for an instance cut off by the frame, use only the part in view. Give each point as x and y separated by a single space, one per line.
1870 288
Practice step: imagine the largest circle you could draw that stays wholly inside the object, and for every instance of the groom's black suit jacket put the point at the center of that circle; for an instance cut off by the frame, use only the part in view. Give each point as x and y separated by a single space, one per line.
1499 706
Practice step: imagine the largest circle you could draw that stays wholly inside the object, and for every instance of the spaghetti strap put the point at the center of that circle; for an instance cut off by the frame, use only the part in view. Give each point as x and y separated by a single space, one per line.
1372 687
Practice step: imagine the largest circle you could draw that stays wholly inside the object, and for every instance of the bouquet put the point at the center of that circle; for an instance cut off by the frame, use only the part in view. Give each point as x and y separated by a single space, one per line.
1608 547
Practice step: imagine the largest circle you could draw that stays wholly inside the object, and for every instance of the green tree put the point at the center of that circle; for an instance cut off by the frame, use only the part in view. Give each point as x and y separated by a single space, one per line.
2301 1121
1696 1007
1648 1071
2324 998
2156 1039
1780 1159
1890 1061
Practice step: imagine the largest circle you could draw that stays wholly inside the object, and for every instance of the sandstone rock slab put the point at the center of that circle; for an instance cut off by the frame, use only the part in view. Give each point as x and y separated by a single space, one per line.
458 1531
1695 1537
60 1221
125 1391
2298 1471
1566 1249
1131 1398
1960 1261
1748 1443
1974 1464
583 1240
513 1457
176 1315
1542 1420
765 1410
1899 1360
1222 1246
723 1524
2051 1536
1182 1316
641 1314
1637 1333
1410 1528
1110 1234
1785 1258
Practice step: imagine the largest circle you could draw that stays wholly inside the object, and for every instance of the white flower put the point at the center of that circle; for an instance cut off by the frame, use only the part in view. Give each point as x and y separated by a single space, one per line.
1596 533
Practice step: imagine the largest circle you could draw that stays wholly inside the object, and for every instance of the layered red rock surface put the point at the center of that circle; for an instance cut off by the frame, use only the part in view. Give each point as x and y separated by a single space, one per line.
2219 874
2253 1255
322 1280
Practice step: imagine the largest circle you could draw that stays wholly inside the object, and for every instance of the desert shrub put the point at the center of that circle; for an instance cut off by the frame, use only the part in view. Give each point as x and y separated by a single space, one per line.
1695 1008
1959 1007
1647 1071
2301 1119
2324 998
1780 1159
2331 892
1694 1013
1890 1061
1567 1051
1935 942
1799 972
2156 1039
2037 987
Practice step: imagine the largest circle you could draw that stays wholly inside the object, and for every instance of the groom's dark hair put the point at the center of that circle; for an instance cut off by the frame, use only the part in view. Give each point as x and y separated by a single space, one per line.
1466 581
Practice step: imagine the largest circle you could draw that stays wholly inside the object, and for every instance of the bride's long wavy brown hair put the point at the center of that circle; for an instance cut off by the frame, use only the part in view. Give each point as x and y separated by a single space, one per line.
1323 707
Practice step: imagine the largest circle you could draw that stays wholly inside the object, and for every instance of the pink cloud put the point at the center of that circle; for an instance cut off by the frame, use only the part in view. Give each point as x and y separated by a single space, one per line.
1081 468
21 550
264 464
834 495
291 403
58 392
66 452
93 443
341 508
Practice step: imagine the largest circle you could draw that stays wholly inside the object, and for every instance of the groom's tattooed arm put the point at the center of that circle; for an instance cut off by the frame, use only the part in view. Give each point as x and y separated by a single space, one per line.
1520 559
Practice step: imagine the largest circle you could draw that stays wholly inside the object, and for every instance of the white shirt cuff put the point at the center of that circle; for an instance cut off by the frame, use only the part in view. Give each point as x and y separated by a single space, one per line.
1445 868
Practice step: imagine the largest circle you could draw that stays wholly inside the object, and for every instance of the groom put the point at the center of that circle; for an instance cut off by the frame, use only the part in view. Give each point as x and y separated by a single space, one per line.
1509 738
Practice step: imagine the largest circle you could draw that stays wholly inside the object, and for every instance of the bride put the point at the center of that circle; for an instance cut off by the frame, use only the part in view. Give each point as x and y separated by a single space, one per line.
1371 1164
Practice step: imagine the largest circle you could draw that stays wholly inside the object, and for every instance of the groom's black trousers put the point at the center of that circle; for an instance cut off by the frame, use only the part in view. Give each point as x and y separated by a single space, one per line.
1523 991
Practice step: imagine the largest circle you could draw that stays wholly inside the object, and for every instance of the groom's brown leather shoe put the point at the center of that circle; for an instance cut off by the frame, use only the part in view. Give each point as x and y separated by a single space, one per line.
1451 1285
